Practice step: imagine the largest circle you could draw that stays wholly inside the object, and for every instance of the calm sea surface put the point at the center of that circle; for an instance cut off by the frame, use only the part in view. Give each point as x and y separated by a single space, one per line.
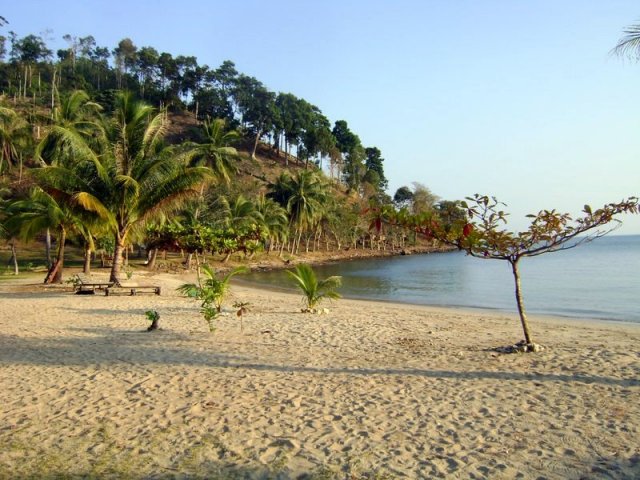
598 280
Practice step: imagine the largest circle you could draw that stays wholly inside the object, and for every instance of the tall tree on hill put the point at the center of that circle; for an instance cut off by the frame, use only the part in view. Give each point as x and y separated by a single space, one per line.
317 137
423 200
146 65
26 53
403 197
373 162
257 107
354 154
125 55
168 71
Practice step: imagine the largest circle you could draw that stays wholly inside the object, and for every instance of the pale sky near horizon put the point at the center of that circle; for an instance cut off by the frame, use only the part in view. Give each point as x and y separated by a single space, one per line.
517 99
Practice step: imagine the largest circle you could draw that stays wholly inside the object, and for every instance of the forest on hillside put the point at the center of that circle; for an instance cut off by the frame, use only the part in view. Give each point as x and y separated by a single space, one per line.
111 149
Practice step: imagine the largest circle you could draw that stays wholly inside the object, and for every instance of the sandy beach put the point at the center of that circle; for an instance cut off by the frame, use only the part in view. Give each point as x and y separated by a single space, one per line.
368 390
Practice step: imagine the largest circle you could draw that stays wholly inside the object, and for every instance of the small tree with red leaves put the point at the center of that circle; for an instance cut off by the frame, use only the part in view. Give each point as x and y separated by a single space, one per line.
482 236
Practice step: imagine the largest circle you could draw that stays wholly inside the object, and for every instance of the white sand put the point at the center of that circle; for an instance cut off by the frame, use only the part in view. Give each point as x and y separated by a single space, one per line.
366 391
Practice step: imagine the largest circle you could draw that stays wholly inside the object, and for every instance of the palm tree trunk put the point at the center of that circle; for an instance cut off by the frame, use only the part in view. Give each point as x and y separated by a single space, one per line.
151 264
86 269
116 266
519 301
54 275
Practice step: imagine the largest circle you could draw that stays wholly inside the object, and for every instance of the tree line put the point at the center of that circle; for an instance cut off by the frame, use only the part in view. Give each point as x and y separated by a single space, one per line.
29 69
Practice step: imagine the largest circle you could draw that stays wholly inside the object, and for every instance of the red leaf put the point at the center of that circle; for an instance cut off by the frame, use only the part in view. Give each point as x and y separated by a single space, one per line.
466 231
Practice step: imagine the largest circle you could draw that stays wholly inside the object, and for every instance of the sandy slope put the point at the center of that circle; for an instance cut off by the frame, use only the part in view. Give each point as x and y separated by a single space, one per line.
366 391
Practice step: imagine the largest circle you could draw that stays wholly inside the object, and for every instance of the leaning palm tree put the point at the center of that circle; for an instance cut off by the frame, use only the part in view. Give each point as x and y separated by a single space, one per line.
314 290
40 211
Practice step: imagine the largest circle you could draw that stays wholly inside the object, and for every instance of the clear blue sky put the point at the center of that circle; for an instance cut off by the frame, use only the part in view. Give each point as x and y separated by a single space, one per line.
517 99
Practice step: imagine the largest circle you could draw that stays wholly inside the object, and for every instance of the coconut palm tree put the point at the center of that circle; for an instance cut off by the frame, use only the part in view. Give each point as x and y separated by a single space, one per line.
240 212
129 176
629 44
74 121
75 126
314 290
137 176
304 196
15 138
216 151
274 220
40 211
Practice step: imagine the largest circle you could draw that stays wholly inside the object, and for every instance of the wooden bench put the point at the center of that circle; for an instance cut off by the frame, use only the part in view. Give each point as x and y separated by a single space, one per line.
85 285
131 290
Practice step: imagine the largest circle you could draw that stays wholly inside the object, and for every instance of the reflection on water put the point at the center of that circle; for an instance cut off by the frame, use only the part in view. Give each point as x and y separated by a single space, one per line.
597 280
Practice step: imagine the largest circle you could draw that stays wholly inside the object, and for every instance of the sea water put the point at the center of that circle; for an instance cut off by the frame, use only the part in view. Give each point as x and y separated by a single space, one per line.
598 280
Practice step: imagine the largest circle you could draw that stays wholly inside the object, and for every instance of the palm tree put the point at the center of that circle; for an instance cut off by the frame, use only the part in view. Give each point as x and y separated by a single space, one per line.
629 44
74 121
274 220
216 151
129 176
304 195
15 137
314 290
4 230
74 127
41 211
138 176
240 212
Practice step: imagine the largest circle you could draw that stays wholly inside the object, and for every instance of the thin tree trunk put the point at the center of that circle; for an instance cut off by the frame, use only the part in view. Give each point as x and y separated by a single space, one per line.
519 301
198 270
14 258
47 247
255 144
